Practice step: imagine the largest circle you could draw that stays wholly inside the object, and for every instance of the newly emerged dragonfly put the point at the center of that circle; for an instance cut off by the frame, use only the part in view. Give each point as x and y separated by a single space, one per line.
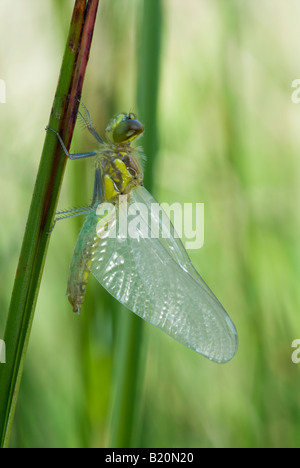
150 274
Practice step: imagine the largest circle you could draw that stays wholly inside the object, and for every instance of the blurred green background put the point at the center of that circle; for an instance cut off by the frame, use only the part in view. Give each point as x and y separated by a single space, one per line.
229 137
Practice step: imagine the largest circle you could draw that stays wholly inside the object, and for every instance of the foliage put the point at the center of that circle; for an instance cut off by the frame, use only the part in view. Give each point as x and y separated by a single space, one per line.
228 136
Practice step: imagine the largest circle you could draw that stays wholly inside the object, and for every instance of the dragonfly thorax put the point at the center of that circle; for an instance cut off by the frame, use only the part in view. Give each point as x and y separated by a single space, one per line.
121 170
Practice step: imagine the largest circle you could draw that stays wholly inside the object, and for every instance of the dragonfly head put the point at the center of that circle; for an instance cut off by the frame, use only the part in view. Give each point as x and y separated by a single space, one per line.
124 128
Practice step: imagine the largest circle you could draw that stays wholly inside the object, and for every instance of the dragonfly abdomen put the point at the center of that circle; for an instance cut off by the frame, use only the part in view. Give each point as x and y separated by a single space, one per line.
80 265
101 217
76 291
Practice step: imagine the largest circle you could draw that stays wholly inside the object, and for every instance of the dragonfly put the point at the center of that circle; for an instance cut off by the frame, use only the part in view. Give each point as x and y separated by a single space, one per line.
150 274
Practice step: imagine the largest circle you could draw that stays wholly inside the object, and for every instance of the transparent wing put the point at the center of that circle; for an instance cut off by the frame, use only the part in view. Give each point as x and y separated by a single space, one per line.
154 278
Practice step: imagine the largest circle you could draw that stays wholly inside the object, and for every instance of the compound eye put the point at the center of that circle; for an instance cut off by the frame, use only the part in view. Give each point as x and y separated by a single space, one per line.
124 128
127 130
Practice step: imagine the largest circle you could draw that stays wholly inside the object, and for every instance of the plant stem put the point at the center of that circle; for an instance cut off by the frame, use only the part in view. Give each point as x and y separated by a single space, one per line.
129 359
42 210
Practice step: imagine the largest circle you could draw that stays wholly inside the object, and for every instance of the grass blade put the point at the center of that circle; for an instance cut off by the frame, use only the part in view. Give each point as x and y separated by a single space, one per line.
42 210
129 359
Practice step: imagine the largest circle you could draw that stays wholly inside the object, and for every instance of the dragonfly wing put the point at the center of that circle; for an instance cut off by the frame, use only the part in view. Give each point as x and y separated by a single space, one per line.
154 278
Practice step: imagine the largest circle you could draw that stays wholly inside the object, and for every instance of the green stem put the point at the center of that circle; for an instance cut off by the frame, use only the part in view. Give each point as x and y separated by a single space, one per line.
129 360
42 210
126 381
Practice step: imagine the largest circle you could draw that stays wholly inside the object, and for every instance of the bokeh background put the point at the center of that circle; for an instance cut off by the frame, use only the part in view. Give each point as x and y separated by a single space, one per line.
228 136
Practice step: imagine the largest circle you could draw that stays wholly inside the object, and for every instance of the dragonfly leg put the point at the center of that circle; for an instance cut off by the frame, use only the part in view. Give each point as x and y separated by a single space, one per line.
98 191
69 214
88 123
72 155
97 197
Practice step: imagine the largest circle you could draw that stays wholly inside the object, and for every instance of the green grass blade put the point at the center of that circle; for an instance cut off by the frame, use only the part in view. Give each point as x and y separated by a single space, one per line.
42 210
129 359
